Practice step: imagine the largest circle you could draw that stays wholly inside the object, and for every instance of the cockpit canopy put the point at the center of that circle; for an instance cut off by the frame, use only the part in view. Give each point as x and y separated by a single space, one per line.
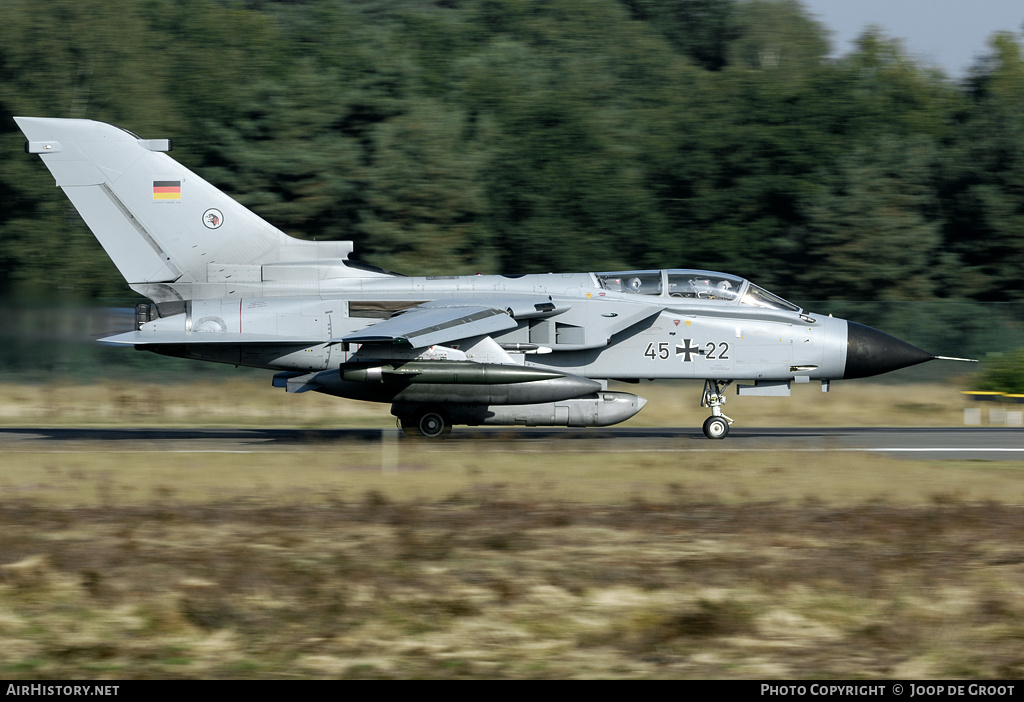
693 284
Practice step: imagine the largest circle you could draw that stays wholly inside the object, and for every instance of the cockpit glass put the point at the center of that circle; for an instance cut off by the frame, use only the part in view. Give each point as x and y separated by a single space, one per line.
702 285
638 282
693 285
759 297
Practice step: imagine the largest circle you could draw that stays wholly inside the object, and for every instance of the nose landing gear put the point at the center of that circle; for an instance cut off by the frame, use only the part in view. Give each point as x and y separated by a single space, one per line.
717 425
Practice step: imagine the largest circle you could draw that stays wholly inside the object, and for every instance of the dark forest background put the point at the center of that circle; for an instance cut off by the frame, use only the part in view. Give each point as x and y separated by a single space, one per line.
485 136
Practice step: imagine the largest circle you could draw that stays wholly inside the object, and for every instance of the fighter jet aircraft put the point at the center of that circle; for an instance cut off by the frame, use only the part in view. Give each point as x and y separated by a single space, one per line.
534 350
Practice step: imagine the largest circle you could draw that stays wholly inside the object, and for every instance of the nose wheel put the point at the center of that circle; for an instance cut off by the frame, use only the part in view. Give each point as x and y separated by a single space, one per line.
717 425
716 428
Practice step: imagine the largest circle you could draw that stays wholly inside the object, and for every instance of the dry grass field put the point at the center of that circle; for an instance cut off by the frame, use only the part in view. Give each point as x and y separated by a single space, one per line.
505 558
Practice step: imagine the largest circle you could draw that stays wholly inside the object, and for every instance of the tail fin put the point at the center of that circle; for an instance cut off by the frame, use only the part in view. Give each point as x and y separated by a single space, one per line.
159 222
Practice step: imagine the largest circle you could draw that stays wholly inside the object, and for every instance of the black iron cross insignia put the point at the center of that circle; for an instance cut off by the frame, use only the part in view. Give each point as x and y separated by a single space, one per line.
686 351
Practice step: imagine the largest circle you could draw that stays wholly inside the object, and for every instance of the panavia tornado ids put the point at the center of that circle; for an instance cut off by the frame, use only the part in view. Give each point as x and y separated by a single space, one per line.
535 350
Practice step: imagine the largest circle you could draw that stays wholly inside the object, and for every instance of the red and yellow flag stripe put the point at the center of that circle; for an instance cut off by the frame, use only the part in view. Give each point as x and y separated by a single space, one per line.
166 189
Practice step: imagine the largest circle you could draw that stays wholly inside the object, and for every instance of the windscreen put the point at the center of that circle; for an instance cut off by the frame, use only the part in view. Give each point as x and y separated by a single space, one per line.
759 297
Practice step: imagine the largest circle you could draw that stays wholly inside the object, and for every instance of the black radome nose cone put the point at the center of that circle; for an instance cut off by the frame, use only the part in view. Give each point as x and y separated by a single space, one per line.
870 352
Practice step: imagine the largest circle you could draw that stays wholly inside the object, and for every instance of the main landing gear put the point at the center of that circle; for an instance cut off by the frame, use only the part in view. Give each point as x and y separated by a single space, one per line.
717 425
427 423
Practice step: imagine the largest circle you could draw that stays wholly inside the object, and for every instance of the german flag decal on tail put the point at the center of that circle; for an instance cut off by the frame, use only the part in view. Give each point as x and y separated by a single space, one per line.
166 189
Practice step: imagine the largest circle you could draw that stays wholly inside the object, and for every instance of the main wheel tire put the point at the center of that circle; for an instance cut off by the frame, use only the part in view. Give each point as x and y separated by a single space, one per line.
716 428
433 423
408 424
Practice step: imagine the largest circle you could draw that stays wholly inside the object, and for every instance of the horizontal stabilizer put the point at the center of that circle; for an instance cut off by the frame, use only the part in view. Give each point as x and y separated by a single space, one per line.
296 382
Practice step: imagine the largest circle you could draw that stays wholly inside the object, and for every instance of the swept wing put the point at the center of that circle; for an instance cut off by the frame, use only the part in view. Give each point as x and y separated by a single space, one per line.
157 338
430 325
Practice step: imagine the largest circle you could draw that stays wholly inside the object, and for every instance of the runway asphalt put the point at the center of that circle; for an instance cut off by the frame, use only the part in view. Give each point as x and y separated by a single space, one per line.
974 443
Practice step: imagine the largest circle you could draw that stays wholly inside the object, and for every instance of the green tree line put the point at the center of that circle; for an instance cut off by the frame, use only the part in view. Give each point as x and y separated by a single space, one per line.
466 136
